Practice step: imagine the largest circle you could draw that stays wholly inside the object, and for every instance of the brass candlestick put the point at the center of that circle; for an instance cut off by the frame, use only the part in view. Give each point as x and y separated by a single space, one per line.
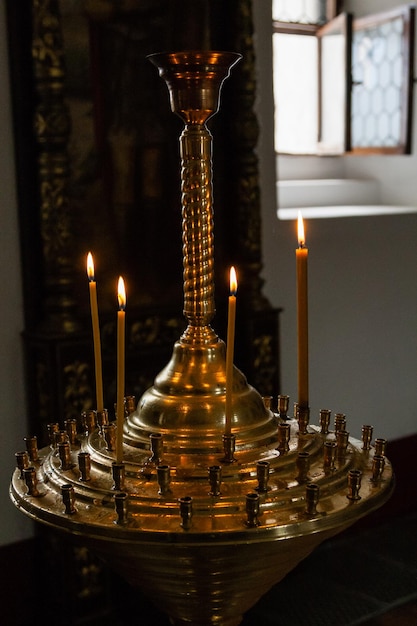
203 528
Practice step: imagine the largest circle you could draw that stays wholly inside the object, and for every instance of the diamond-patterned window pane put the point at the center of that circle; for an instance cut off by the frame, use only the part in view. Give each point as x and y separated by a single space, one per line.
299 11
377 68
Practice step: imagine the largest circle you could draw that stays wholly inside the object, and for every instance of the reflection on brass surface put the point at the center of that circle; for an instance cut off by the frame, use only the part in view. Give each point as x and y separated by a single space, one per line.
143 536
205 553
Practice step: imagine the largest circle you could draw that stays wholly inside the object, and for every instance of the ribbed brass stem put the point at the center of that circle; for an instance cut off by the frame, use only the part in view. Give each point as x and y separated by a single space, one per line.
197 221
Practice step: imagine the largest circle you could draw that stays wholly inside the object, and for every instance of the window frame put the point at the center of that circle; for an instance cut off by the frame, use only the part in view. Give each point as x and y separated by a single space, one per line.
349 24
407 13
342 23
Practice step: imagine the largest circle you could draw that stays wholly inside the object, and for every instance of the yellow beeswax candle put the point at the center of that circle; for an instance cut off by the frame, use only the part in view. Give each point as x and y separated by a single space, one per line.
96 332
121 331
231 319
302 315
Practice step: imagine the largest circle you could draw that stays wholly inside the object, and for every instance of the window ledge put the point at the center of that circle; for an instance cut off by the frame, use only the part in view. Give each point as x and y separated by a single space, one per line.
343 211
327 192
333 197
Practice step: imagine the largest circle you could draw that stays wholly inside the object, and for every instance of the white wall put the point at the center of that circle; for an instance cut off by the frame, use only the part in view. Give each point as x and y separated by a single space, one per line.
362 278
13 525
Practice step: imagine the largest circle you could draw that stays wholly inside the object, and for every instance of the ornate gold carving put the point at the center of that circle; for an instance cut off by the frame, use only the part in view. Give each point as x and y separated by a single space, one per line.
265 362
52 126
43 392
78 392
245 138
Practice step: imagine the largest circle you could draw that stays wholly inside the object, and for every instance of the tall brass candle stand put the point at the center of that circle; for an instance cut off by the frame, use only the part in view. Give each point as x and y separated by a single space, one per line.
202 536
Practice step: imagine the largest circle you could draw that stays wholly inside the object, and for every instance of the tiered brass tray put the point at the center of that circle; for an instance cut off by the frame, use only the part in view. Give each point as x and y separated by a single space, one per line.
204 523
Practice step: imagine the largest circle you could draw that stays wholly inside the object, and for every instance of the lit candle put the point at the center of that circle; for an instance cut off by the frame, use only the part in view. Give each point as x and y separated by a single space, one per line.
302 315
96 332
230 349
120 409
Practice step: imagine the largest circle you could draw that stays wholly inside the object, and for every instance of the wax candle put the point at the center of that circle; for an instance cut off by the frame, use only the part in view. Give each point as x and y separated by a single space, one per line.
96 332
120 409
231 319
302 315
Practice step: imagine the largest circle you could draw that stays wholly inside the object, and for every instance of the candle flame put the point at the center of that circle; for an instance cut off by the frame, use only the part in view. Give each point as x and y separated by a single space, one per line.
301 236
121 294
233 281
90 267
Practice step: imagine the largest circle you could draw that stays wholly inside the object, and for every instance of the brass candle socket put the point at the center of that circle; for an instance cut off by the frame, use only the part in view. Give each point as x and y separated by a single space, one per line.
102 418
157 448
329 455
312 498
215 479
31 481
303 466
367 432
325 416
252 510
342 441
60 436
121 502
380 445
303 414
163 473
32 448
283 404
378 465
262 474
284 435
267 401
109 433
64 453
89 421
339 422
186 511
71 429
68 499
130 405
118 473
354 484
84 464
22 462
229 446
52 429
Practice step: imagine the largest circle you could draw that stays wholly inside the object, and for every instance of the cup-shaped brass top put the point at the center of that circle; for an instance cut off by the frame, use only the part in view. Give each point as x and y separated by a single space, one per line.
194 80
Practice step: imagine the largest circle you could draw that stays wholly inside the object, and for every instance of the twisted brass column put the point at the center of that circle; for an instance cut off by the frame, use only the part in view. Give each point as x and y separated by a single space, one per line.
194 95
188 396
198 239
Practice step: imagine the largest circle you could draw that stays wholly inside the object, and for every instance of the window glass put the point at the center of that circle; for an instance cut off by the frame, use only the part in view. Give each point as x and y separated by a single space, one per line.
295 93
377 68
299 11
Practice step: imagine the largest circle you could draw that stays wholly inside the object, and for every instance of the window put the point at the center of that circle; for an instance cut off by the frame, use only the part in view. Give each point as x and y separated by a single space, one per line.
343 84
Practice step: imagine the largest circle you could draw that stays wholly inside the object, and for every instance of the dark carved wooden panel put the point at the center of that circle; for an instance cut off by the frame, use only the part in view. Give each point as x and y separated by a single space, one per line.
106 147
98 169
